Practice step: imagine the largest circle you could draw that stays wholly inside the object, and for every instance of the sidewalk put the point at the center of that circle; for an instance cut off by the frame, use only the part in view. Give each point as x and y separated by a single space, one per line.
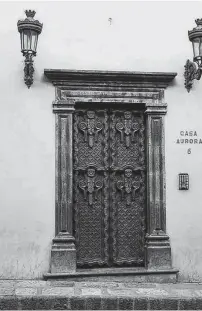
63 295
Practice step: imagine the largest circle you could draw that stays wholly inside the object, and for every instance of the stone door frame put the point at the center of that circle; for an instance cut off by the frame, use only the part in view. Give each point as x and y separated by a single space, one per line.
82 86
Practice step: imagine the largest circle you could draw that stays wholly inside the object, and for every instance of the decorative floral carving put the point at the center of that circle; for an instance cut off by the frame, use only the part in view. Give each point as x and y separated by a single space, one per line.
128 186
127 128
91 185
91 128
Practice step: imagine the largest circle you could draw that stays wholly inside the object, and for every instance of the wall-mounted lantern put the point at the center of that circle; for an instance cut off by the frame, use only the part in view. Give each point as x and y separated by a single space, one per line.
193 70
29 31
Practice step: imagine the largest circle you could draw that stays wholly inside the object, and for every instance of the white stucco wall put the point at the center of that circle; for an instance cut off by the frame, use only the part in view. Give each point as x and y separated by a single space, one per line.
144 36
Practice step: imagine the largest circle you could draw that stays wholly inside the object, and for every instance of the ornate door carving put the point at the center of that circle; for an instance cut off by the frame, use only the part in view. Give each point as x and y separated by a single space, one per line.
109 187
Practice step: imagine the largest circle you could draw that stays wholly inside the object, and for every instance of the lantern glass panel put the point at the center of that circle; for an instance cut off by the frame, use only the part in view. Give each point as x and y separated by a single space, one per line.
34 39
197 47
21 40
29 40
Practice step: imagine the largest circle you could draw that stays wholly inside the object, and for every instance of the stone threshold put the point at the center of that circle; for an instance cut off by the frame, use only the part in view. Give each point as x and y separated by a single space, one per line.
118 274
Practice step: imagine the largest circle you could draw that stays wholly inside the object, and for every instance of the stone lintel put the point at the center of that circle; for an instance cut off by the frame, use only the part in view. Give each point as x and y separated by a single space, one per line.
162 79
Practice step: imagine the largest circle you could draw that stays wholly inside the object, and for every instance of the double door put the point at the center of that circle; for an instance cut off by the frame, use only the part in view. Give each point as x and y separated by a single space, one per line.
109 187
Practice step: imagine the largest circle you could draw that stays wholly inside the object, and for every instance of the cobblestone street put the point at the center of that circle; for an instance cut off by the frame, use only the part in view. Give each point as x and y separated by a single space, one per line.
62 295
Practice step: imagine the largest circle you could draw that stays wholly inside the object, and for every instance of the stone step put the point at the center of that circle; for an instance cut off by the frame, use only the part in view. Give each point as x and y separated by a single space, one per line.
138 275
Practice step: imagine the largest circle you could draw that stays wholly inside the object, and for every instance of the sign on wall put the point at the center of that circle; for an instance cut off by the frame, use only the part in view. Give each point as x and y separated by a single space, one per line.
189 138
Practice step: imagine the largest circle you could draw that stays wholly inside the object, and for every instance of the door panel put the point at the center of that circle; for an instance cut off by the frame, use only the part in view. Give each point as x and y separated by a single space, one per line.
91 185
109 187
127 187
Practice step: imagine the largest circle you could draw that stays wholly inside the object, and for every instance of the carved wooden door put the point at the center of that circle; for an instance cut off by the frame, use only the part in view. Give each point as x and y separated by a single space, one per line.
109 187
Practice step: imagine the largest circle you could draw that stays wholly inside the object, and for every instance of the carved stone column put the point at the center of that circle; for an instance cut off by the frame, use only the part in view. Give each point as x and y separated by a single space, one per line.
158 250
63 253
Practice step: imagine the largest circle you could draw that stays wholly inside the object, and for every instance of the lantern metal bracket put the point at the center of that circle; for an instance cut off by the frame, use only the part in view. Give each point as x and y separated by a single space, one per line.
28 70
192 71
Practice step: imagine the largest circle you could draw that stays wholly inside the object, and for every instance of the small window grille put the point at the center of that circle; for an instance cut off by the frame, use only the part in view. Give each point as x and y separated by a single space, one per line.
183 181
